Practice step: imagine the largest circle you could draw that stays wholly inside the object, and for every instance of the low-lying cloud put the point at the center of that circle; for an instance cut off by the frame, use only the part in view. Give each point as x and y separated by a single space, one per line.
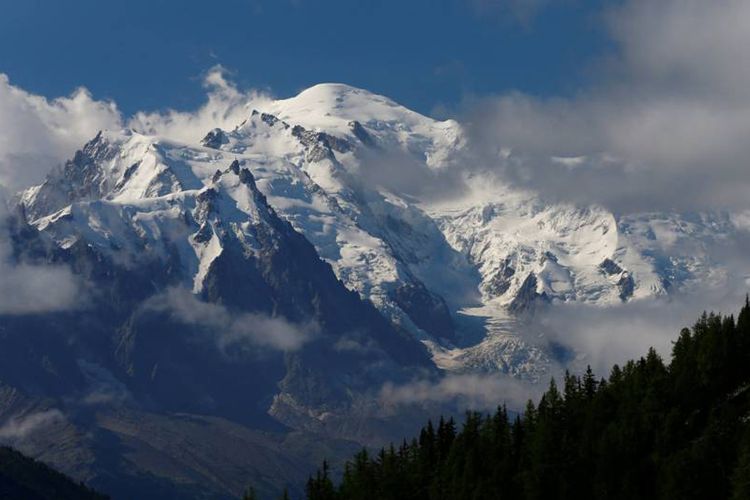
596 336
233 329
602 336
474 391
32 288
20 427
103 387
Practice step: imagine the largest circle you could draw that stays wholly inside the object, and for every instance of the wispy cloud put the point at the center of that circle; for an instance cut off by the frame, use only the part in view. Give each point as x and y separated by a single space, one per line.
233 329
226 107
103 387
475 391
19 427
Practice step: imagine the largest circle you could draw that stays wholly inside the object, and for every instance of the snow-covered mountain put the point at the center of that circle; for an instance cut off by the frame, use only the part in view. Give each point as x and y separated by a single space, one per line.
285 270
431 265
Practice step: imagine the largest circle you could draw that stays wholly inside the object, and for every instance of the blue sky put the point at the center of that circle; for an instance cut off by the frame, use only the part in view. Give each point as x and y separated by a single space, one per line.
647 99
426 54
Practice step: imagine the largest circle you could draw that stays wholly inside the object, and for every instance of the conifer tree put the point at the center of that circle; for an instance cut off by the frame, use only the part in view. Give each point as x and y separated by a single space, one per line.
650 430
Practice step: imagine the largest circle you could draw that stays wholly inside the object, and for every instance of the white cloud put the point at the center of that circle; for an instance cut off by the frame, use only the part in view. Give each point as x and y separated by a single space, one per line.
664 127
233 329
682 46
27 288
37 134
474 391
604 335
225 108
22 426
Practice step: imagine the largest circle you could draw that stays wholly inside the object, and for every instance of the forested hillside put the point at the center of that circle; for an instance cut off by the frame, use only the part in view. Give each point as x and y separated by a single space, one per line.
651 429
22 478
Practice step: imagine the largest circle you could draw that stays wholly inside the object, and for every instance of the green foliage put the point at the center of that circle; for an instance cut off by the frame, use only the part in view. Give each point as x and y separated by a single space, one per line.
650 430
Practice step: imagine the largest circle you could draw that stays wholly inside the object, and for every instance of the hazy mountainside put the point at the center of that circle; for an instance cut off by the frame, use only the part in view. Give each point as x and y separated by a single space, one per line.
260 288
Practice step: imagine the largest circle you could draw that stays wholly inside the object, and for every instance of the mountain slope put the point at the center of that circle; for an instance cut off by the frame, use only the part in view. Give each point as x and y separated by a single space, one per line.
481 255
457 272
22 478
278 275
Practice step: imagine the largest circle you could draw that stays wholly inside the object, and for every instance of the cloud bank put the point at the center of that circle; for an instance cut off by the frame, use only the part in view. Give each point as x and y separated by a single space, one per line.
36 133
663 126
604 336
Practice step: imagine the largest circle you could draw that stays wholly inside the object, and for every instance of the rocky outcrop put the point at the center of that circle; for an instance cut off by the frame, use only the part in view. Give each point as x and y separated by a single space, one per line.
527 298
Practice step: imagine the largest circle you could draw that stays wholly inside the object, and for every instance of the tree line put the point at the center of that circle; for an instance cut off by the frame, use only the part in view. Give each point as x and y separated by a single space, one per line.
651 429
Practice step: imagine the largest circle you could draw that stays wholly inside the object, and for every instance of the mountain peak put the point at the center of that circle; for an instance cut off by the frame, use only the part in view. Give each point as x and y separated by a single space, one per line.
335 94
335 88
332 106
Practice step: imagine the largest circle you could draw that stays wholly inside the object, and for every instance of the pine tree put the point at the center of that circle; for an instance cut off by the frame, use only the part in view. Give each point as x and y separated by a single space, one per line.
589 383
741 474
250 494
321 487
650 430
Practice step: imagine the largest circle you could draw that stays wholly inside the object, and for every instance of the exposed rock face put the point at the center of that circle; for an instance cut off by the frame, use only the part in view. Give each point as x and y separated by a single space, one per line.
610 267
215 139
361 133
429 312
246 260
501 281
626 286
527 297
